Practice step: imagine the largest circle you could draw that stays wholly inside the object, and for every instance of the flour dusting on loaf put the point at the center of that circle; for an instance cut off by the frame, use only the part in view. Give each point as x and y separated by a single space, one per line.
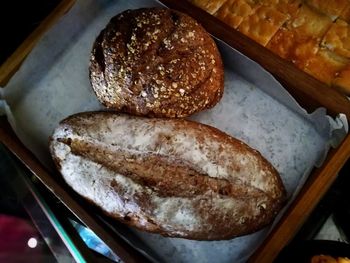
169 176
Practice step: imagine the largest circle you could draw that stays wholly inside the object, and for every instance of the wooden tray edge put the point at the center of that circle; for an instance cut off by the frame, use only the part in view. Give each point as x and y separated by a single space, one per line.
317 94
312 192
115 243
11 141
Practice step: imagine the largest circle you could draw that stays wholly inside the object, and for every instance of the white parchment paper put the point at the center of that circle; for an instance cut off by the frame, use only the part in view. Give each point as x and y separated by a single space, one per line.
53 83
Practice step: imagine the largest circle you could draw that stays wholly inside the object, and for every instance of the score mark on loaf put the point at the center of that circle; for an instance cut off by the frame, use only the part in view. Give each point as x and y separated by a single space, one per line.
170 176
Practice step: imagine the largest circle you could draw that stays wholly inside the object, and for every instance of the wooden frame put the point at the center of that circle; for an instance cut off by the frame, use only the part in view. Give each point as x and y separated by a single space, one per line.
309 92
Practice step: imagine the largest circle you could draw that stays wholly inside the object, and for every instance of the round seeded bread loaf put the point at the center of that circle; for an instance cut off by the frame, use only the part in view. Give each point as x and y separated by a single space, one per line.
156 62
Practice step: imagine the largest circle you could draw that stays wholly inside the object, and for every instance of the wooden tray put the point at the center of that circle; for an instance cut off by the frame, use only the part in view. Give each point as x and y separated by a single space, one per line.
309 92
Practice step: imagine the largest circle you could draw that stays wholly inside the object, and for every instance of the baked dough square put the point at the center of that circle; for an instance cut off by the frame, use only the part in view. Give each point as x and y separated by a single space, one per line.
299 38
282 42
342 80
209 5
310 23
288 7
337 38
345 14
289 46
200 3
332 8
325 66
232 12
262 24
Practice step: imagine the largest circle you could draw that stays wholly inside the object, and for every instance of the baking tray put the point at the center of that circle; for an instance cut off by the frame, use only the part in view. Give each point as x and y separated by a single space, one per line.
309 92
313 190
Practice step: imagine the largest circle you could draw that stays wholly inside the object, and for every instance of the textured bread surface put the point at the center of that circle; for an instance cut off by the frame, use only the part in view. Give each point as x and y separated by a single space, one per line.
156 62
169 176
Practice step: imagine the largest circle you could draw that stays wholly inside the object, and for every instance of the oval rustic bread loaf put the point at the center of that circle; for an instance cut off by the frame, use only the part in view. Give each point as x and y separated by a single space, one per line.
156 62
169 176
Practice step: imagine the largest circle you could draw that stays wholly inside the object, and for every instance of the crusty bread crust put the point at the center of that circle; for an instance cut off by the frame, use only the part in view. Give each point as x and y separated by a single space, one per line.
156 62
169 176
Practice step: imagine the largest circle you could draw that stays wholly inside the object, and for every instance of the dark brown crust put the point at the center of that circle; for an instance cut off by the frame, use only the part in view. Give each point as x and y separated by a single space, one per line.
184 181
156 62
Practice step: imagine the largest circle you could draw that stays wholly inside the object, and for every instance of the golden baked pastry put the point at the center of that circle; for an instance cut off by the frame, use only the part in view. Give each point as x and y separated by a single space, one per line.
298 39
282 43
156 62
288 7
345 14
337 38
329 259
208 5
309 23
332 8
325 65
343 260
313 34
232 12
289 45
262 24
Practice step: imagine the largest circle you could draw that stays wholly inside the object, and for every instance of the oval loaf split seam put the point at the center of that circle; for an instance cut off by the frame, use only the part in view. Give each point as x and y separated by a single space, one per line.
170 176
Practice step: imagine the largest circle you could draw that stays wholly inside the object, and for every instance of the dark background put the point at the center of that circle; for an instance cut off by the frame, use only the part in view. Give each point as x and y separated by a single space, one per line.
18 19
